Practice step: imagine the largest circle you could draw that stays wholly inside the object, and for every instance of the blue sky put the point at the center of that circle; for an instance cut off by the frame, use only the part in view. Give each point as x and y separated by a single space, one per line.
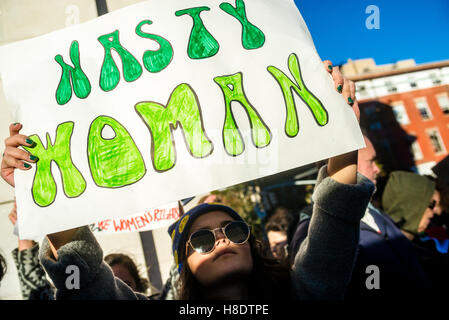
408 29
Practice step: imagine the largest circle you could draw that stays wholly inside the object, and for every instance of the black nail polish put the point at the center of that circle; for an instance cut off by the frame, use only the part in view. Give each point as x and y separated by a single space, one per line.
26 165
31 142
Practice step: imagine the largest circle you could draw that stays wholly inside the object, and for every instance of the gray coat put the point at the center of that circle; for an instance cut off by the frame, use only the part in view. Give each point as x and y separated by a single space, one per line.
321 270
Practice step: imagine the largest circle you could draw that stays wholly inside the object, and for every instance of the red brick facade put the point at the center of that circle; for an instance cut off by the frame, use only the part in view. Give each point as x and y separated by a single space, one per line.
418 126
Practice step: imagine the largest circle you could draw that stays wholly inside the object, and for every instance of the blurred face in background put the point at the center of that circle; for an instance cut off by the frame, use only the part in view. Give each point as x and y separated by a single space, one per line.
434 208
278 242
121 272
366 161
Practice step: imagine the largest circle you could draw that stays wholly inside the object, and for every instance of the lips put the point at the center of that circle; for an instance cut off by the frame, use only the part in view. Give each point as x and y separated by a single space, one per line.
223 252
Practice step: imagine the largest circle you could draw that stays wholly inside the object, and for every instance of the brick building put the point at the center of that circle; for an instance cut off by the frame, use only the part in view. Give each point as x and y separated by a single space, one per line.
405 110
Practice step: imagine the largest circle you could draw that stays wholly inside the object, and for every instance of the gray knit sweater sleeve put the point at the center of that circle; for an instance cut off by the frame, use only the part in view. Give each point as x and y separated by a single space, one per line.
96 279
323 265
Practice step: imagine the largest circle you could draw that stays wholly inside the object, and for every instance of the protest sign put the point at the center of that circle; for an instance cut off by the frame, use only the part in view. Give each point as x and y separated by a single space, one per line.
164 100
148 220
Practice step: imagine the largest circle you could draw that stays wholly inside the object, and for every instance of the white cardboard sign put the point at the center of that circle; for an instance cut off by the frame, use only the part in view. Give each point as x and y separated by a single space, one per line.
164 100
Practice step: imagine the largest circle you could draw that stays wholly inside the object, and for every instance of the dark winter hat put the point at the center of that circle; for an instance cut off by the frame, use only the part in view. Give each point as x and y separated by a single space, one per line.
406 197
180 229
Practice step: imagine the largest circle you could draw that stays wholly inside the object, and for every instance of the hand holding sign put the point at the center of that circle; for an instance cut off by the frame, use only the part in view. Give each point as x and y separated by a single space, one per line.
14 157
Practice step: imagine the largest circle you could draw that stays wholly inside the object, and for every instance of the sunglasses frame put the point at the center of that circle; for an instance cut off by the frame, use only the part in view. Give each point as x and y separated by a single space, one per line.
214 231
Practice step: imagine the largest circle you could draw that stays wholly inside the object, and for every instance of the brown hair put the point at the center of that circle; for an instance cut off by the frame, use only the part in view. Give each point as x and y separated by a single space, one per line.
113 259
269 279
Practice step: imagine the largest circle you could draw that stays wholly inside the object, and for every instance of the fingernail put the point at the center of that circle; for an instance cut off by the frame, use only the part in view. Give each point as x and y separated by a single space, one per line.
26 165
15 123
339 88
33 158
350 101
30 142
329 67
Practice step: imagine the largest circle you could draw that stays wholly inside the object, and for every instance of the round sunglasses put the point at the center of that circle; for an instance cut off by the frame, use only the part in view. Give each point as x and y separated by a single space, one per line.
203 241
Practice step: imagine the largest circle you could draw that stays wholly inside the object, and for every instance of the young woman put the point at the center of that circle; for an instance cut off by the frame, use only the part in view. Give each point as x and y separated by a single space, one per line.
213 247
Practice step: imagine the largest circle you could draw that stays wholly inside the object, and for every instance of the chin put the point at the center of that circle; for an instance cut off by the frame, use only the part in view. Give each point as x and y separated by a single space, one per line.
232 276
228 272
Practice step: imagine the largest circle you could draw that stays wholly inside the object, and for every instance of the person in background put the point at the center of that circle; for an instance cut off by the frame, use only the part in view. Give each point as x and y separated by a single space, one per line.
438 229
412 201
33 282
125 269
3 267
381 244
279 228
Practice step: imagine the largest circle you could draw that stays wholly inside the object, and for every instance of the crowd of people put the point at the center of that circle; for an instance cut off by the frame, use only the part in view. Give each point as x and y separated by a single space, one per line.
322 252
406 239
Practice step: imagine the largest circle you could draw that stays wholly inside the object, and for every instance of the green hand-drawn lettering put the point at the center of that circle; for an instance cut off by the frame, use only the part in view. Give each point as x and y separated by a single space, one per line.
201 43
110 75
155 61
44 186
252 37
287 86
232 88
182 110
114 162
81 84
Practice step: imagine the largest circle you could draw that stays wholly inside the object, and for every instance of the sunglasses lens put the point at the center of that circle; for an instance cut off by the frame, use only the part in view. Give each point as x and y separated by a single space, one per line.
237 231
202 241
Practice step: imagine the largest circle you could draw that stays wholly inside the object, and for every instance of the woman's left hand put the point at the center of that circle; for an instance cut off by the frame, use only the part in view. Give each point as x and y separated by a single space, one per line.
344 86
343 168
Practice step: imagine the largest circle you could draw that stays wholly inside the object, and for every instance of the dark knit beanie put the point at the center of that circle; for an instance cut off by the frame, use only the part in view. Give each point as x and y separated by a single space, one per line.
179 230
406 197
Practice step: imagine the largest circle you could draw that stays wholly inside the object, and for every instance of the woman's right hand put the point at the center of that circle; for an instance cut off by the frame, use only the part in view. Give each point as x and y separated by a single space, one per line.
13 157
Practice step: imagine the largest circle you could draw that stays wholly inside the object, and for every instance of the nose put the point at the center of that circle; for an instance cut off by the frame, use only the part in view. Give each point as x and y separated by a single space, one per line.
219 235
220 238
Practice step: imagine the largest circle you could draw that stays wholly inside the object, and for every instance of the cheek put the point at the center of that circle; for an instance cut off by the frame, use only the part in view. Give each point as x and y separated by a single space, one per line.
196 261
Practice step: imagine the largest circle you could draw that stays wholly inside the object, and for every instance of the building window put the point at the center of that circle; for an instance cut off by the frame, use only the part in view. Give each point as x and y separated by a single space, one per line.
416 150
443 101
390 87
437 142
423 108
435 79
400 114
